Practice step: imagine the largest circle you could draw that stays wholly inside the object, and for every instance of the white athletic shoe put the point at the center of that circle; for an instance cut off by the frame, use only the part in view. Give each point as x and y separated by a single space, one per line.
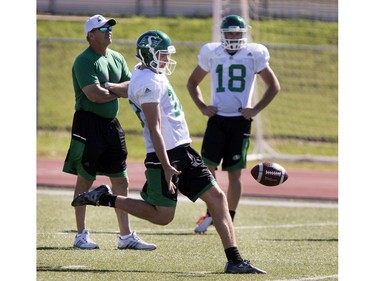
133 242
83 241
203 223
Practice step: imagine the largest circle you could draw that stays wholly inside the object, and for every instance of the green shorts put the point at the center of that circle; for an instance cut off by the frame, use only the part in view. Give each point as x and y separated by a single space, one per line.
194 180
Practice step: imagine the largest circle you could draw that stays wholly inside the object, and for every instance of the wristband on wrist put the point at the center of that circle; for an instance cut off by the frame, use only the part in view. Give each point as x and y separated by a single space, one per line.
106 85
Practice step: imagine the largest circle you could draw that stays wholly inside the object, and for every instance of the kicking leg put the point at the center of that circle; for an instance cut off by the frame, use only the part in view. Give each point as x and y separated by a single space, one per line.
102 196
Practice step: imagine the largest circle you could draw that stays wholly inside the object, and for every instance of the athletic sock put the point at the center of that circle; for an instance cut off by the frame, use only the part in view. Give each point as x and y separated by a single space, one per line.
107 200
232 214
233 255
123 237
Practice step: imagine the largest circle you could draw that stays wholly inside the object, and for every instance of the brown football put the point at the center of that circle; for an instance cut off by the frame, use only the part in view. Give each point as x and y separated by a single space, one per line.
269 173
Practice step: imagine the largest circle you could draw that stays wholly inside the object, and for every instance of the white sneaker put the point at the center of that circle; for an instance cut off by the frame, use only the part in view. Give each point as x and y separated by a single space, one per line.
83 241
133 242
203 223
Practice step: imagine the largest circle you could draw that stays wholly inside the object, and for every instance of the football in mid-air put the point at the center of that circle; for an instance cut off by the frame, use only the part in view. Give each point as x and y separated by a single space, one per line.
269 173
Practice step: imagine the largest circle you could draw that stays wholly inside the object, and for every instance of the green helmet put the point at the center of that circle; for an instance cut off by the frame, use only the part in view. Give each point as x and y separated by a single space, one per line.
150 45
233 23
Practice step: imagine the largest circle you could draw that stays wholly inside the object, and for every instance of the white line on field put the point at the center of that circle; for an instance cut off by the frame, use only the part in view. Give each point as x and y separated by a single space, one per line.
311 278
287 225
245 227
244 201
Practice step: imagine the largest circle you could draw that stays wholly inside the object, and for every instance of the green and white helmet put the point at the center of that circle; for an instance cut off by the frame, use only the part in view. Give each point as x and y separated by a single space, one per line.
233 23
150 45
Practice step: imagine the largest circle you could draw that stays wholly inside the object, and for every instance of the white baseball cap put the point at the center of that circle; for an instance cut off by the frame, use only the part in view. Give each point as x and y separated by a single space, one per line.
96 22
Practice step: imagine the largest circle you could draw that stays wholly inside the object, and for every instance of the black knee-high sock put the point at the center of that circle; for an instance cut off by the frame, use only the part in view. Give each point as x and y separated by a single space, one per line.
107 200
233 255
232 214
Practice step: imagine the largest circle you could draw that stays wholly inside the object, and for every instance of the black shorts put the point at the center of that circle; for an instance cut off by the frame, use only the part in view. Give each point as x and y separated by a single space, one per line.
194 180
226 139
97 147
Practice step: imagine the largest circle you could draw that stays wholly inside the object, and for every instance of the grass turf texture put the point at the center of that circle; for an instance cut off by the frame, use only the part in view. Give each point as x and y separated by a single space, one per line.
287 242
307 107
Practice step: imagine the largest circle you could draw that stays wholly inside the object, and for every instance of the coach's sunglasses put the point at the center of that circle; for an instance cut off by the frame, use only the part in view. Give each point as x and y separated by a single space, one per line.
104 29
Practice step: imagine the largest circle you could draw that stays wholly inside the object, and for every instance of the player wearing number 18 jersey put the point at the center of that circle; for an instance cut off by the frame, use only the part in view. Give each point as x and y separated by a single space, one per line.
233 66
232 75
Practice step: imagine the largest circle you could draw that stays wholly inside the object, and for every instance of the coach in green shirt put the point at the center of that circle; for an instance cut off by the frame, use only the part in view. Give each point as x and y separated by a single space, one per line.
100 77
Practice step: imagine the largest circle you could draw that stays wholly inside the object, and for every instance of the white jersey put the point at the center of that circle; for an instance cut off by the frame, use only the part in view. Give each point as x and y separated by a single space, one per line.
148 87
232 76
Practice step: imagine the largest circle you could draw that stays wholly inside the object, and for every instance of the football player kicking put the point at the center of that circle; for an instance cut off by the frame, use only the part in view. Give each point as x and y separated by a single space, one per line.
233 65
172 165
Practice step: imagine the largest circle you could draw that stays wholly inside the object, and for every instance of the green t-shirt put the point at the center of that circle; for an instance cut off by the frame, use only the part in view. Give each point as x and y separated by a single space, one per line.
92 68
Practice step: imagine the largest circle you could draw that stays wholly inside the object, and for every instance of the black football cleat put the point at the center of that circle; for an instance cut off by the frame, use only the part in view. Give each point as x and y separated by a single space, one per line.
91 197
243 267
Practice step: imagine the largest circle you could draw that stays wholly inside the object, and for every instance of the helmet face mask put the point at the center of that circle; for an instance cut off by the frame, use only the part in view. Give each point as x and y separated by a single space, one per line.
154 49
229 24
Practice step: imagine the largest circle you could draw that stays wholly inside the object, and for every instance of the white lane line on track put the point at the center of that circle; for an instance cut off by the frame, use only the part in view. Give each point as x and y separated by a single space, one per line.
245 201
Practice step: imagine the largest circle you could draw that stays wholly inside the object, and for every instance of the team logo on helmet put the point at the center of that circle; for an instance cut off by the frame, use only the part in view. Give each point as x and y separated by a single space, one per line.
151 41
150 46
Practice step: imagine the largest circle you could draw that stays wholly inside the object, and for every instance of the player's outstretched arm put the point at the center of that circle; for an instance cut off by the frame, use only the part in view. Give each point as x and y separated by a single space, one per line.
153 118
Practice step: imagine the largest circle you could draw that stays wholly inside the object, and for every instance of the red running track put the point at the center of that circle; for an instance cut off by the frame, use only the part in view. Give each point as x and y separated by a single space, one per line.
301 184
